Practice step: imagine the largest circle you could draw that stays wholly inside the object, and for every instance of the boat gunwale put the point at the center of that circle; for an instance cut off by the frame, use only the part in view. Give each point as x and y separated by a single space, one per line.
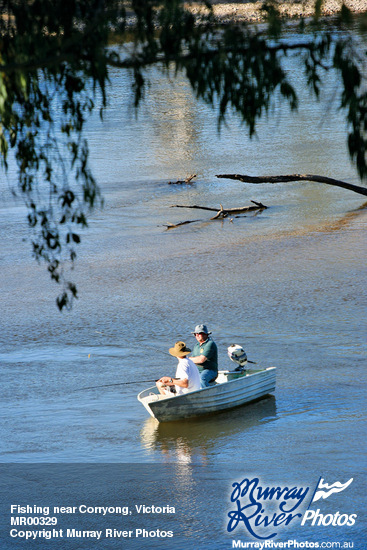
209 389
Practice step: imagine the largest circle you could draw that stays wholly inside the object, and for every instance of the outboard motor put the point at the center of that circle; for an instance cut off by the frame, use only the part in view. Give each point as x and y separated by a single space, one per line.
238 355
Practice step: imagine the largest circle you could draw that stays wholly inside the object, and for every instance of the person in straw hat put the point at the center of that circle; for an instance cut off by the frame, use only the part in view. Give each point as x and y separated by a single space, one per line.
187 376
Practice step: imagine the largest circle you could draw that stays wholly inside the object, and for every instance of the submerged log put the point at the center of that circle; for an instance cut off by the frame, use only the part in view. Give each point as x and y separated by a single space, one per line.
170 225
180 182
295 177
194 206
237 210
220 214
222 211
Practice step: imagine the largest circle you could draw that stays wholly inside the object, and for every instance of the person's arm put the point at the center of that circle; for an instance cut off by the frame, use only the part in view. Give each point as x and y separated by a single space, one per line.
182 382
168 381
210 350
199 359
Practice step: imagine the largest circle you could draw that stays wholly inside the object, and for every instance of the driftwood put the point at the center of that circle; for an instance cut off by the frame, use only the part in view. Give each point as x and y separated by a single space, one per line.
170 225
224 212
180 182
295 177
220 214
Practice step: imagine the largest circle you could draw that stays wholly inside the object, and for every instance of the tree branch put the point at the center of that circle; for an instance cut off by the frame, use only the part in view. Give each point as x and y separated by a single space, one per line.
238 210
220 214
138 61
295 177
194 206
170 225
180 182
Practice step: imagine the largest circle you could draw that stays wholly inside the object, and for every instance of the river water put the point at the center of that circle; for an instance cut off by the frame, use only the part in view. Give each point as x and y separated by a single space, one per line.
289 284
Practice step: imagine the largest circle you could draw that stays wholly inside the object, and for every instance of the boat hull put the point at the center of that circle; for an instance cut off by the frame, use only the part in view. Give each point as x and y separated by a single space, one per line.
219 397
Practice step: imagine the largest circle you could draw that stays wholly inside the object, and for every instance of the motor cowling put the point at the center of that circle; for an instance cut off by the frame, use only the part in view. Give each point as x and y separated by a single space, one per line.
237 354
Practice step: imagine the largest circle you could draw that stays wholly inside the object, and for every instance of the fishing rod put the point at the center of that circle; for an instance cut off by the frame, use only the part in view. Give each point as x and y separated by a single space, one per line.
117 384
165 353
169 355
147 345
121 384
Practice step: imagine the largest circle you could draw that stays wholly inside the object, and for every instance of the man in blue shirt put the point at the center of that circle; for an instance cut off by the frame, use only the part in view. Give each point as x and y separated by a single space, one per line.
205 355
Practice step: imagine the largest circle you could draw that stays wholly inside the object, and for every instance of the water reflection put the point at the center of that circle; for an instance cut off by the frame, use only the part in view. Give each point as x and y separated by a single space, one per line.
192 441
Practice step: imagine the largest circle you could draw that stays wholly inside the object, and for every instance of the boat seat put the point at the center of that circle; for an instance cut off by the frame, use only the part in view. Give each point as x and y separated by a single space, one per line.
227 375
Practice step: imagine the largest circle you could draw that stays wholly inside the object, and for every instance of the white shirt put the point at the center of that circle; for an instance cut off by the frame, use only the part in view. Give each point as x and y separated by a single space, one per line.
187 369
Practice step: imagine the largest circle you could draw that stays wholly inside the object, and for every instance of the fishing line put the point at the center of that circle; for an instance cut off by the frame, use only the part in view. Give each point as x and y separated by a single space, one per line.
118 384
169 355
147 345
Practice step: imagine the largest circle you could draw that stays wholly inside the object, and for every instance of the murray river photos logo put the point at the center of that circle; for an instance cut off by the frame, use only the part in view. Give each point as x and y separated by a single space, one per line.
262 511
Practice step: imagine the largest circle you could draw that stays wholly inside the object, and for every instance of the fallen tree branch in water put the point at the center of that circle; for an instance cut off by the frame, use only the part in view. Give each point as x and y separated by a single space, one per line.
220 214
295 177
170 225
194 206
238 210
180 182
224 212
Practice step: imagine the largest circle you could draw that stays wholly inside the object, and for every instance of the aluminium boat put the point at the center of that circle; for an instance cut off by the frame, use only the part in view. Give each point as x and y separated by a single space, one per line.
231 389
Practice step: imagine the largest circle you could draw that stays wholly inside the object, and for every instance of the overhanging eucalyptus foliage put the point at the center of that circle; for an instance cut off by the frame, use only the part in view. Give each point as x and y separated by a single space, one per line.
54 61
